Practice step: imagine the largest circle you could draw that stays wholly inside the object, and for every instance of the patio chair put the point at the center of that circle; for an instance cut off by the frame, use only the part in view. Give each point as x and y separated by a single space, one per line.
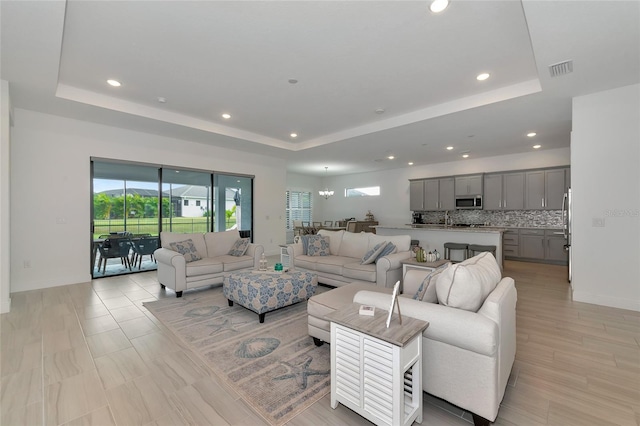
144 246
328 223
113 248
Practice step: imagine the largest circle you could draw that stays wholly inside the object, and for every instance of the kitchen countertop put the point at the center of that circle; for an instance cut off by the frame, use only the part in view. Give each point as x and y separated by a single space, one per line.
479 229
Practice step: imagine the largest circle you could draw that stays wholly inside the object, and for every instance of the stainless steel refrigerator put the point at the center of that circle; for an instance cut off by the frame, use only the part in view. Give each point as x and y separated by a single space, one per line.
566 226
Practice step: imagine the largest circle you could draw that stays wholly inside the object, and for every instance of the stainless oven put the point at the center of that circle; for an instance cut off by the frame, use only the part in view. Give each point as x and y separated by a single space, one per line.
469 202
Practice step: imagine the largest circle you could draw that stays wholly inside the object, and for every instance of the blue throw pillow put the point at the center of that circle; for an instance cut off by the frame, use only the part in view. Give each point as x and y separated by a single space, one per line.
304 239
371 255
388 249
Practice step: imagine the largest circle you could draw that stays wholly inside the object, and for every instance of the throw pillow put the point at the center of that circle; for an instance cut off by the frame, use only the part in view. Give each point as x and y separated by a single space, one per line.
372 255
388 249
318 246
305 243
427 290
187 249
466 285
239 247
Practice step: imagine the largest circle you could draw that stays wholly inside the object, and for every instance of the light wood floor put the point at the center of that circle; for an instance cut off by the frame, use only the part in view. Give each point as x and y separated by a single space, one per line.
90 354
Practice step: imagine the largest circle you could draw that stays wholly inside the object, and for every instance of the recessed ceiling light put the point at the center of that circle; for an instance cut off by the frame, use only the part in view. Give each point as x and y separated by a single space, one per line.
226 116
449 148
114 83
438 6
465 155
380 111
162 100
483 76
537 146
410 163
391 157
532 134
294 135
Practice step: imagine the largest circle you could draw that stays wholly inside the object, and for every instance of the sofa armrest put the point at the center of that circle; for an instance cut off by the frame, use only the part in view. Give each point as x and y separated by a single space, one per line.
255 251
171 258
456 327
294 250
389 268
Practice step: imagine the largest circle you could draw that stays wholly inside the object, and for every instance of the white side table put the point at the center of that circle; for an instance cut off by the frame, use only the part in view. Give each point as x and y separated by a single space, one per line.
284 256
411 263
377 371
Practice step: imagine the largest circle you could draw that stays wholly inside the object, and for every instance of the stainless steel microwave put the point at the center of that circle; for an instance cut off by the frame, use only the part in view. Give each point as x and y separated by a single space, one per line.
469 202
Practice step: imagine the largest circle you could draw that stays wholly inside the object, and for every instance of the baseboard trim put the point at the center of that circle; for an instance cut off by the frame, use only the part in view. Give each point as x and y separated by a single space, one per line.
613 302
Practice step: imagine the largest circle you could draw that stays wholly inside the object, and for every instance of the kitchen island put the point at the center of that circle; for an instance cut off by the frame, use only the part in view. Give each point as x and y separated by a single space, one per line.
433 237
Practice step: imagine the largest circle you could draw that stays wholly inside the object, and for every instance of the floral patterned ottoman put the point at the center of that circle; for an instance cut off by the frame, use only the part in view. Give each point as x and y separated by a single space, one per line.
263 292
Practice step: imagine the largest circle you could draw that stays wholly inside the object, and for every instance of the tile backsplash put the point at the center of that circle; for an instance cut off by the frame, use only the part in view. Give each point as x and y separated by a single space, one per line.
519 218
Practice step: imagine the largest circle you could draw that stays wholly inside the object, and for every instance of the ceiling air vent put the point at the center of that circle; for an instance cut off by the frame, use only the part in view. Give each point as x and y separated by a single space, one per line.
561 68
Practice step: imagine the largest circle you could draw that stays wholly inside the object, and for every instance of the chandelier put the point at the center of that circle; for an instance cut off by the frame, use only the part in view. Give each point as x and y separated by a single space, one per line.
326 192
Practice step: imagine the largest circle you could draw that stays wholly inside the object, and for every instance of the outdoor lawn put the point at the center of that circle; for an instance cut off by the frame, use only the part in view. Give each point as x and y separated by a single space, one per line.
149 225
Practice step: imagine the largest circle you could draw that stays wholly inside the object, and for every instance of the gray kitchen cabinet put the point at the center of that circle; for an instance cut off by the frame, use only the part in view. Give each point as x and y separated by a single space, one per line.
513 191
468 185
447 194
431 194
510 243
492 198
416 195
439 194
504 191
532 243
554 188
554 246
544 189
534 190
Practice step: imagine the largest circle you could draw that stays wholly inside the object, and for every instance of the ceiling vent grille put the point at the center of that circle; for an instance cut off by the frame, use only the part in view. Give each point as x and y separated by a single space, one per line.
561 68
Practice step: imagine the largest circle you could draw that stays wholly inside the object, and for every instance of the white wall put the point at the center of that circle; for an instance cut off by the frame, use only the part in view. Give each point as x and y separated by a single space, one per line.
50 191
392 207
5 232
605 180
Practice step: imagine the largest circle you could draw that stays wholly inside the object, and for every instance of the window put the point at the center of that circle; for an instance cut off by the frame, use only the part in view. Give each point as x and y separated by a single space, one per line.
298 207
186 202
372 191
197 203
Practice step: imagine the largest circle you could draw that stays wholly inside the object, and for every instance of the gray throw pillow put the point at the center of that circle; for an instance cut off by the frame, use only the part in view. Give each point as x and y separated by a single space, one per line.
239 247
388 249
187 249
372 255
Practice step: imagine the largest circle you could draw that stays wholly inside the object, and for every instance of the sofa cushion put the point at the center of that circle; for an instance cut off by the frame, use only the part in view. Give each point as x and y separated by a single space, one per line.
307 262
332 264
318 245
427 290
354 245
208 265
466 285
388 249
360 272
325 303
372 255
219 243
233 263
335 239
166 238
402 242
239 248
187 249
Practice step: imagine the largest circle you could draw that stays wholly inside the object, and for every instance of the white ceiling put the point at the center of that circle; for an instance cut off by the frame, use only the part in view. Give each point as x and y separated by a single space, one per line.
349 57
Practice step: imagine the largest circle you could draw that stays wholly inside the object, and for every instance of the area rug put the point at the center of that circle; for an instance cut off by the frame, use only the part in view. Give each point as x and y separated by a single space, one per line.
274 366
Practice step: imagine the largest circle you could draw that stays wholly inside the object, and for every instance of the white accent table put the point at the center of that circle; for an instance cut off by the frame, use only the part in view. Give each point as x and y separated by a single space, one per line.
412 263
284 256
377 371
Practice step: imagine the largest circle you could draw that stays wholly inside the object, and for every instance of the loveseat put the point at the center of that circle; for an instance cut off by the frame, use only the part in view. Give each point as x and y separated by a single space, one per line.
337 257
469 346
187 261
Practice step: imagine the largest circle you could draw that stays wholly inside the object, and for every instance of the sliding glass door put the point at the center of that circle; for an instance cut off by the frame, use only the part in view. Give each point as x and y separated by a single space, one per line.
137 201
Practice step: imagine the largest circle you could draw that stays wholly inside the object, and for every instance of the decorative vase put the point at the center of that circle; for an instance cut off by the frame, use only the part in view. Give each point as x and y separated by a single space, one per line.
437 255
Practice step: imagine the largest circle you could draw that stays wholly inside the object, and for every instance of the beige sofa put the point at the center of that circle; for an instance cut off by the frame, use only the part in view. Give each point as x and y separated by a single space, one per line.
467 353
213 248
343 265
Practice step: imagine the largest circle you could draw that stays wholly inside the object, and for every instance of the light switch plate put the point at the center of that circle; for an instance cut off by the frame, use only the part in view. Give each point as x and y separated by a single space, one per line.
598 222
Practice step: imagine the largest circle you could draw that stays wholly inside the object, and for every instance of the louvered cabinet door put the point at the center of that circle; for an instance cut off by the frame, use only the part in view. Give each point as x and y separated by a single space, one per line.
376 379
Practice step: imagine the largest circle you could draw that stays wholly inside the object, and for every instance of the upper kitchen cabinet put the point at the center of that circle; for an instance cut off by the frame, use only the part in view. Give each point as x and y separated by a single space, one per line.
544 189
416 195
468 185
504 191
439 194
